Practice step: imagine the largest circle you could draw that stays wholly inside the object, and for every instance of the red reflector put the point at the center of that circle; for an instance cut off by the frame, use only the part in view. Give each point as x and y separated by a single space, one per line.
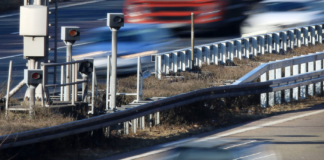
36 76
73 33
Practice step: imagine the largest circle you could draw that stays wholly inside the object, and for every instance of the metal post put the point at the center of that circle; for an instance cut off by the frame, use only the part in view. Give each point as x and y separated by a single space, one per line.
278 93
263 96
84 88
62 82
192 40
134 126
139 78
113 77
271 94
67 94
75 80
8 88
310 86
93 89
126 127
108 83
73 86
303 88
31 100
55 41
287 91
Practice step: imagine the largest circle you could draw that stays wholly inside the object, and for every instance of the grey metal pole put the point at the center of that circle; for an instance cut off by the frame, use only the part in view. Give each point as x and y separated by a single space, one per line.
31 100
139 75
67 94
73 86
84 88
55 41
108 83
113 77
8 89
75 80
192 40
62 82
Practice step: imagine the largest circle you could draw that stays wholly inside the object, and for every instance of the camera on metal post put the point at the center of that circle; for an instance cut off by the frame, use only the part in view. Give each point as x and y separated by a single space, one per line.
70 33
33 76
115 20
86 67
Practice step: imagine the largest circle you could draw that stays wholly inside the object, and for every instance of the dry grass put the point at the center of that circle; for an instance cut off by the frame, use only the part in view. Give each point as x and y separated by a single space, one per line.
20 121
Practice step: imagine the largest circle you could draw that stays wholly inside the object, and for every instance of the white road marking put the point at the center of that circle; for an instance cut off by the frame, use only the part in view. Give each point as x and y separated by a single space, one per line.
11 56
101 19
239 144
70 5
261 126
264 156
230 133
247 156
15 33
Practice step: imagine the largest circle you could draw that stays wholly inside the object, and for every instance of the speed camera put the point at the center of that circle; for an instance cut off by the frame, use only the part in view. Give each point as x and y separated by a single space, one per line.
115 20
70 33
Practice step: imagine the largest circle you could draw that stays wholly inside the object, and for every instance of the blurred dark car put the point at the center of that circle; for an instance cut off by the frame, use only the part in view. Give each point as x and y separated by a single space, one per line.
133 40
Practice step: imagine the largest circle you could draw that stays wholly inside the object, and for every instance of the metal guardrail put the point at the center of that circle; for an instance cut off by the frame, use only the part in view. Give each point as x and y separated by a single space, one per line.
246 47
102 121
242 87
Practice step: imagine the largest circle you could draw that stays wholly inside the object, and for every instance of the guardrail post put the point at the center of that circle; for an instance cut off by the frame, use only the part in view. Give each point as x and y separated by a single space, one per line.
284 41
254 46
159 66
276 39
310 86
287 91
298 37
150 120
278 93
139 78
295 90
269 43
319 33
312 34
190 58
163 69
156 66
175 62
157 118
207 54
134 125
142 119
239 49
303 88
222 53
291 39
167 63
318 66
261 44
199 56
216 54
271 94
126 128
263 96
247 48
184 60
230 51
305 36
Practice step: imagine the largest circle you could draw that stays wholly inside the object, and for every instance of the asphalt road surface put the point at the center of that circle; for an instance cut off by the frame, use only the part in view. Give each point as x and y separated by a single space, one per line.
86 15
297 135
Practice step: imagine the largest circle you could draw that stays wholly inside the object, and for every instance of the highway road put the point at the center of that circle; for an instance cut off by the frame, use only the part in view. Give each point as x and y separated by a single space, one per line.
291 136
87 15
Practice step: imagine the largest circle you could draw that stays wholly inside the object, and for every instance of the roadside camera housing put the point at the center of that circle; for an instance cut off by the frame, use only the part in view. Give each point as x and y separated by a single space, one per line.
115 20
86 67
33 76
70 33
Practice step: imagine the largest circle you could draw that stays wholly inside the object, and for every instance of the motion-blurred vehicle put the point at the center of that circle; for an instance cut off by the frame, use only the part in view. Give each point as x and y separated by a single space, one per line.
133 40
223 149
275 15
209 14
